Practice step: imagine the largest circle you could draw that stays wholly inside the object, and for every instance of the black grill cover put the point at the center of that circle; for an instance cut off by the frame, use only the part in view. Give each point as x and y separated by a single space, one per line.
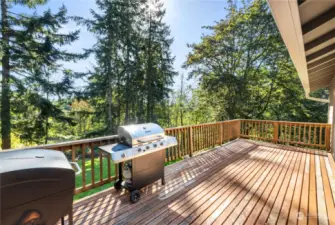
37 182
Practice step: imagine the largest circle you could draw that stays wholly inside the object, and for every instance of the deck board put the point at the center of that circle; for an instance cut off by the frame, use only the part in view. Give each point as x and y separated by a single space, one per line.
312 205
255 209
241 182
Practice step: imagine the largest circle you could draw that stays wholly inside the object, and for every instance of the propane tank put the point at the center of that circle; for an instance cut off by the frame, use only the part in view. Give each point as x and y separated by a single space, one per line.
126 172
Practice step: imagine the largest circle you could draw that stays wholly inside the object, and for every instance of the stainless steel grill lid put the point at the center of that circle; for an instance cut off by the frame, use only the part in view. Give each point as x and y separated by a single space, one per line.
139 134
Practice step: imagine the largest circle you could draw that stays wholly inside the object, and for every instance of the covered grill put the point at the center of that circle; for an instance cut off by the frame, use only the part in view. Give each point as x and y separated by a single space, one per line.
36 187
140 156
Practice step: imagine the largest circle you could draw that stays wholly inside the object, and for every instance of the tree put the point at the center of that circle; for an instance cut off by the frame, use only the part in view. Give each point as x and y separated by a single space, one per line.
134 63
245 68
31 53
81 111
6 34
159 62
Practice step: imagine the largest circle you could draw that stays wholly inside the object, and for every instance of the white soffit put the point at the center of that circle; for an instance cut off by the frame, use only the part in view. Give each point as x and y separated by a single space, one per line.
286 15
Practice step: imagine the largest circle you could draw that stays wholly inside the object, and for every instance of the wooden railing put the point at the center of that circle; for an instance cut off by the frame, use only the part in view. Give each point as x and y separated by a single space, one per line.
196 138
97 168
315 135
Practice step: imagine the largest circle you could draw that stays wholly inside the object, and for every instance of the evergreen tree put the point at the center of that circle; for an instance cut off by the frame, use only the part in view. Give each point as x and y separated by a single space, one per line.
134 63
31 54
159 62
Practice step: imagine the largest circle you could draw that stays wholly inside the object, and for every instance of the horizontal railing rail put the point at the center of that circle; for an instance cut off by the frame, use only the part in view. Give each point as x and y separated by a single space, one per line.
97 168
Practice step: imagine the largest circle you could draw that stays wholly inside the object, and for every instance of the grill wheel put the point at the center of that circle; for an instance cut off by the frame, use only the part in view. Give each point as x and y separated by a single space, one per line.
135 196
118 185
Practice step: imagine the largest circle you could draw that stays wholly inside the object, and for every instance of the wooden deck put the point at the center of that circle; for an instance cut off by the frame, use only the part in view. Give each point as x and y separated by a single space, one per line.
242 182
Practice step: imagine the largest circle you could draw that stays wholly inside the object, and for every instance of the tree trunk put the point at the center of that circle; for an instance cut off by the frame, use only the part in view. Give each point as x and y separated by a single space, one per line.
46 130
109 99
110 85
149 75
127 85
127 69
182 100
5 94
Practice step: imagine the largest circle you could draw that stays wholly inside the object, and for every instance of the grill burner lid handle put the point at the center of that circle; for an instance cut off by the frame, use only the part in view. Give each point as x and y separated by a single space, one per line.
30 217
145 140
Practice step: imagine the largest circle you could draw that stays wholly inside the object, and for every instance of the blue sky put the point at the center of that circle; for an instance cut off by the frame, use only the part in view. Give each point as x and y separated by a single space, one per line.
185 17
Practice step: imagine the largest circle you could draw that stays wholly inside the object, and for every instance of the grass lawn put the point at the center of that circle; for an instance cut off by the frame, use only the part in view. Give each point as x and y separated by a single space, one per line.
88 176
97 176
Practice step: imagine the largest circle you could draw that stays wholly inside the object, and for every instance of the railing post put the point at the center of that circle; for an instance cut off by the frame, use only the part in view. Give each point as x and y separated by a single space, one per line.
327 138
190 143
275 132
220 139
238 131
73 149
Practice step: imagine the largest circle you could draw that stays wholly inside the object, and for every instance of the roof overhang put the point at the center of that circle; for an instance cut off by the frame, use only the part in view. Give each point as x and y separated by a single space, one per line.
308 30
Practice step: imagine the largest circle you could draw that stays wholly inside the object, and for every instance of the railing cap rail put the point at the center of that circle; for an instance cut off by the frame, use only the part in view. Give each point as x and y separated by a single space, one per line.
202 124
290 122
67 143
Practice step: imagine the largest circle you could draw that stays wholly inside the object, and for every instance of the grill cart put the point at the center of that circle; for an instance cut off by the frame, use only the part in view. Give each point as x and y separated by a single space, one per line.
140 156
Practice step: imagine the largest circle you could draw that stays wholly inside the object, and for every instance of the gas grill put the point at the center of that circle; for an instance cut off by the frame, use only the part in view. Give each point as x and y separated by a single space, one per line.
140 156
36 187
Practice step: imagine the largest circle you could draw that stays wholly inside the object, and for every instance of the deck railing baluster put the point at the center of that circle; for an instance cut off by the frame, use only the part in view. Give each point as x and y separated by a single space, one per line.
327 138
101 166
190 144
309 133
83 161
304 137
109 167
320 136
92 163
299 133
314 141
275 131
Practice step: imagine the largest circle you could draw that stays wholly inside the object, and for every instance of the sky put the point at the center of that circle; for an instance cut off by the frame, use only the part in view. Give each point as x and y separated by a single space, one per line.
185 18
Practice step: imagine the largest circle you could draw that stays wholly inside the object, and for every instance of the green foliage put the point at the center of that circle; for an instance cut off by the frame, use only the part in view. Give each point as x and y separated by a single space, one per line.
244 69
29 3
88 166
135 66
33 49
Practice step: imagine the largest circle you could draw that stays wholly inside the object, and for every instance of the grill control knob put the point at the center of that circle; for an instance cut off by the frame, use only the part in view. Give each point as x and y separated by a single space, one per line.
139 150
123 155
155 145
147 147
162 143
